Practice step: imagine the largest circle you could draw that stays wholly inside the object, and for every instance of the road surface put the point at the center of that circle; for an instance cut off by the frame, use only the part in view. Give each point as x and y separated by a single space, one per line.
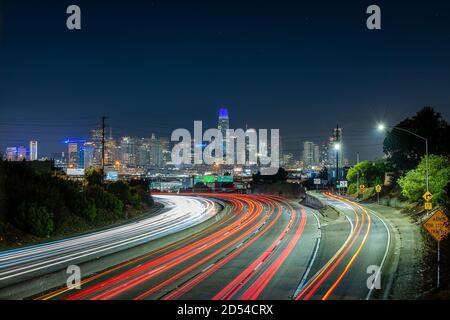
264 247
350 268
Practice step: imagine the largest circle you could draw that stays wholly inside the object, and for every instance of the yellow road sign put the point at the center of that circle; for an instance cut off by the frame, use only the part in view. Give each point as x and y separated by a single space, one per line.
427 196
438 225
378 188
428 206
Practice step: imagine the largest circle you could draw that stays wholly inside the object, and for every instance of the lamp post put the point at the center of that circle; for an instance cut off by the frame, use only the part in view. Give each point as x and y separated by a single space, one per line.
357 177
382 127
337 147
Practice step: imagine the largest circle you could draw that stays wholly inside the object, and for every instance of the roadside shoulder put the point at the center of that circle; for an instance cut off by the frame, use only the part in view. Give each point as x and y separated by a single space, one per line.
405 262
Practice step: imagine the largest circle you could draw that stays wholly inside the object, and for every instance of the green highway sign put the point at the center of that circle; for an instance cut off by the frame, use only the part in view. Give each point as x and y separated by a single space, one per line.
225 179
212 179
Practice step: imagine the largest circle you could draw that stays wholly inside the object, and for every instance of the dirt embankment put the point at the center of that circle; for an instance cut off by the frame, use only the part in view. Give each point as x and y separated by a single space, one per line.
426 252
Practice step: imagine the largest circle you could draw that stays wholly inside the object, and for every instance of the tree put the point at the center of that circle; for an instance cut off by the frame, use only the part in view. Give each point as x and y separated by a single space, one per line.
142 188
413 184
2 190
280 176
404 150
370 173
90 212
446 201
121 190
39 221
105 200
94 177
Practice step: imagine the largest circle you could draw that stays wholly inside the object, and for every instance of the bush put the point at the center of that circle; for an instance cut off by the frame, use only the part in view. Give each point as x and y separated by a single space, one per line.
446 201
90 212
413 184
135 199
39 221
94 177
37 202
144 194
2 190
121 190
370 173
106 201
351 188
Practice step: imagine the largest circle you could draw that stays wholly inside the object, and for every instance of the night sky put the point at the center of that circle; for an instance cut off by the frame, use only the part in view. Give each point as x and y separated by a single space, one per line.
154 66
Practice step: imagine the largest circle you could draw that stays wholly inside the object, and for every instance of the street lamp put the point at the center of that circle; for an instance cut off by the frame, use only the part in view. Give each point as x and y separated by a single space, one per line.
382 127
337 147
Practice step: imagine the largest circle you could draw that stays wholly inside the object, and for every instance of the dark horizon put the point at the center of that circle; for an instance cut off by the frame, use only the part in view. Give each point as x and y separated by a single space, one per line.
159 66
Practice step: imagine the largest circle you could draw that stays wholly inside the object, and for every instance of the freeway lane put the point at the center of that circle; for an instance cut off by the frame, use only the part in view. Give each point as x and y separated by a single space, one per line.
258 236
243 266
345 274
263 247
28 262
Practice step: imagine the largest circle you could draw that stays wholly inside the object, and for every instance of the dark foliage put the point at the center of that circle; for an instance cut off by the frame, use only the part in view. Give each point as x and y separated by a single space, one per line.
404 150
280 176
447 196
36 201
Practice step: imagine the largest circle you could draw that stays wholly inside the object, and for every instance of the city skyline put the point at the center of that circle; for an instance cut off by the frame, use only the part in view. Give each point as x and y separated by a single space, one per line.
140 151
258 65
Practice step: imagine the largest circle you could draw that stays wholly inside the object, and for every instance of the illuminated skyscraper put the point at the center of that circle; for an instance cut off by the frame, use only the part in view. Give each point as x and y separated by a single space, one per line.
33 150
308 151
11 153
110 150
73 155
337 134
88 155
21 153
80 163
128 147
224 121
222 126
324 155
144 152
165 149
96 139
316 155
311 154
156 152
251 147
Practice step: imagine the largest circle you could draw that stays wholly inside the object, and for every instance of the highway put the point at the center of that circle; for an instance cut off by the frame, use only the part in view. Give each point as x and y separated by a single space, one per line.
343 269
265 247
179 213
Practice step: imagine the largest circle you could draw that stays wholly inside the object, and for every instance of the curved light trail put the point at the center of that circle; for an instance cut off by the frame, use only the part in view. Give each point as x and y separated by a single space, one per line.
181 213
262 247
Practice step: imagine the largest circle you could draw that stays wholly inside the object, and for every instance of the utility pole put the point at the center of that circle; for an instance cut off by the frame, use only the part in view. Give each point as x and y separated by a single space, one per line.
337 158
438 281
426 161
103 147
357 177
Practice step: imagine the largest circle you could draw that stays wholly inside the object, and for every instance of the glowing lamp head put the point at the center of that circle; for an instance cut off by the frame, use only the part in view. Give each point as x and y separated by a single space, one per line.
381 127
337 146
